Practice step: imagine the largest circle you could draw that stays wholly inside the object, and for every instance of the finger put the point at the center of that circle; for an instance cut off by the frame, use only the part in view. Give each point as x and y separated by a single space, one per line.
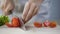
29 15
8 2
26 9
8 9
4 5
35 11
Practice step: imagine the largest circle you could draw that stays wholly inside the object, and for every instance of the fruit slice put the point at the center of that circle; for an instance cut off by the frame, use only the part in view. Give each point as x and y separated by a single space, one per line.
46 23
16 22
37 24
52 24
9 25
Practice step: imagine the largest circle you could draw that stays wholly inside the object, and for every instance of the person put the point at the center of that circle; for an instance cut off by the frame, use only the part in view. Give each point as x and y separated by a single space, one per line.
30 9
49 9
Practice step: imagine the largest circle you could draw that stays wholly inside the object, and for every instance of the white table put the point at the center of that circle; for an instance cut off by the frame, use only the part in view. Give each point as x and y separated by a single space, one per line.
31 30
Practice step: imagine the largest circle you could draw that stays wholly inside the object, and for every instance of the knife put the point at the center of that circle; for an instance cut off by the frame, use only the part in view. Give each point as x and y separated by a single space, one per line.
22 22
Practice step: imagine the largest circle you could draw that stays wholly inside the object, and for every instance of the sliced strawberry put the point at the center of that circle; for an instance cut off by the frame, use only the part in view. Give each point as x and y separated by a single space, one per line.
46 23
9 25
37 24
52 24
16 22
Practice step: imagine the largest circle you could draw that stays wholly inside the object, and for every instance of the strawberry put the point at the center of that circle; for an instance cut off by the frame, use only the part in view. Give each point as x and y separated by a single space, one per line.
46 23
37 24
16 22
9 25
52 24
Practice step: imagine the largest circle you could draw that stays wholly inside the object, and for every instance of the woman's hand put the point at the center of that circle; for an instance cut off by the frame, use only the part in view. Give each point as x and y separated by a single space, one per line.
7 7
30 9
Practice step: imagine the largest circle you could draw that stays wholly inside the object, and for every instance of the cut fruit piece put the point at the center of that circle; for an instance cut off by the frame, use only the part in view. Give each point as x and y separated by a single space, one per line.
52 24
37 24
46 23
9 25
16 22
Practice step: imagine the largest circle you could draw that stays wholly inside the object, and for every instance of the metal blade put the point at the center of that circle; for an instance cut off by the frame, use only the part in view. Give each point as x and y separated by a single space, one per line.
22 22
23 25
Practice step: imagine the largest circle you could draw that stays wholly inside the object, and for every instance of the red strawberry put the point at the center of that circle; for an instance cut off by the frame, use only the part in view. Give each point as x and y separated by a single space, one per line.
9 25
46 23
16 22
37 24
52 24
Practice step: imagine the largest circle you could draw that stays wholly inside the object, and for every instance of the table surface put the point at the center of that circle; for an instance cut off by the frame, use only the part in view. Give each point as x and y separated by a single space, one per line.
31 30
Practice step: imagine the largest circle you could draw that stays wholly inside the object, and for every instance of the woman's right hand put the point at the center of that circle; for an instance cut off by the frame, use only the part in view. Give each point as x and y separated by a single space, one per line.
7 7
31 8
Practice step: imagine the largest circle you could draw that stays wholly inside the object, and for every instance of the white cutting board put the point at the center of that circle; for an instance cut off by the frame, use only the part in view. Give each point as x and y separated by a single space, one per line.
32 30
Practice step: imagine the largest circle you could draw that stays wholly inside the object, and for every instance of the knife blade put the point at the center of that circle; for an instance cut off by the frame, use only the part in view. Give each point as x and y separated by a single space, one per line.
22 22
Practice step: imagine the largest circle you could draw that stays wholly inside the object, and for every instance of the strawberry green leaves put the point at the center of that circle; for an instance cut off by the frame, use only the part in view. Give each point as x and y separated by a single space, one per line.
3 20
